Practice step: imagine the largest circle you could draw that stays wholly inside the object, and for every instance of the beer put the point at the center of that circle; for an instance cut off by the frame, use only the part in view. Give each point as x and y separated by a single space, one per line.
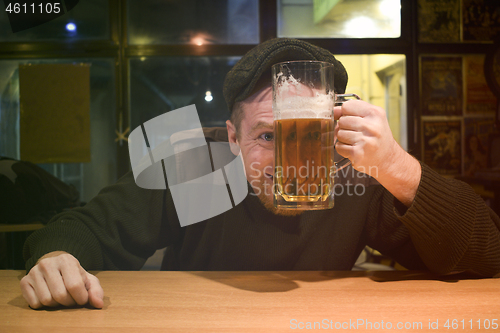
304 149
303 102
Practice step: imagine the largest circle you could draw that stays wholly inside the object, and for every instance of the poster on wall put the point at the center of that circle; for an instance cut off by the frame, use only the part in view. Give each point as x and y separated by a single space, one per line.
54 122
492 74
441 85
442 146
477 134
439 21
480 20
479 99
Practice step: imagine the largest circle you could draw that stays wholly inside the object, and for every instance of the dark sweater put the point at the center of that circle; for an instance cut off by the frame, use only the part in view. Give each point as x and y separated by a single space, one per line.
448 228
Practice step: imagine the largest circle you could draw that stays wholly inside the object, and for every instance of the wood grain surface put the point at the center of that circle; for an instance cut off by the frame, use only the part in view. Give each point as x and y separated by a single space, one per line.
265 302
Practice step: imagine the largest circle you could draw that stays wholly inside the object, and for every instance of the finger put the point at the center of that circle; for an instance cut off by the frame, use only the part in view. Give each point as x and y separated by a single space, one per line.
344 150
29 292
357 108
41 289
337 112
74 282
353 123
57 288
96 294
348 137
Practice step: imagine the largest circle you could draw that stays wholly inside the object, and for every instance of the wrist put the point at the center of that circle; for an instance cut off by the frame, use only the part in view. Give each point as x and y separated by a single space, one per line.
51 254
400 174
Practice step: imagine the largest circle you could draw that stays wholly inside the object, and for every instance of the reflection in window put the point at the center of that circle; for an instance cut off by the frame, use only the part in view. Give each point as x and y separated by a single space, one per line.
88 178
339 18
193 22
158 85
88 20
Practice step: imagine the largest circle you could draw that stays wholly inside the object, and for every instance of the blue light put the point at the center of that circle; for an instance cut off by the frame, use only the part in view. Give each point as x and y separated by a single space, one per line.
70 27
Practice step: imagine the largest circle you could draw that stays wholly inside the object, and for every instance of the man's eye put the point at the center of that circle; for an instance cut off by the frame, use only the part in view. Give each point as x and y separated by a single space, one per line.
316 135
267 136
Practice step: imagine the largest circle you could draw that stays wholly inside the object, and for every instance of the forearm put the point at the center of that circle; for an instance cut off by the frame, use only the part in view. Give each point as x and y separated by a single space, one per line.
400 175
64 235
452 228
118 229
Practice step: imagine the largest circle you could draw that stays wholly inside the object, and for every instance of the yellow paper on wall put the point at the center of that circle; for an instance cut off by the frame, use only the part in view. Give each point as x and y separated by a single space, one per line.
55 113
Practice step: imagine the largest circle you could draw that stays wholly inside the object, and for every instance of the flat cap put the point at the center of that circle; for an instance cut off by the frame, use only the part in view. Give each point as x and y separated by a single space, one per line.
242 78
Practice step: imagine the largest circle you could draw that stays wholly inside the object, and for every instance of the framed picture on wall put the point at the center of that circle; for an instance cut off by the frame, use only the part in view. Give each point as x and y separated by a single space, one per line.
442 145
439 21
492 75
480 20
477 133
494 155
441 85
479 99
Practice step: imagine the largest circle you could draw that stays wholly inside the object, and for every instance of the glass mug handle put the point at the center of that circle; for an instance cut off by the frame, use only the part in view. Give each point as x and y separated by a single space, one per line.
342 98
339 100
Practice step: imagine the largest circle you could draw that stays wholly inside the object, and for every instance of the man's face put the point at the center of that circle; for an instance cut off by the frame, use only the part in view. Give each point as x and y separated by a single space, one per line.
256 143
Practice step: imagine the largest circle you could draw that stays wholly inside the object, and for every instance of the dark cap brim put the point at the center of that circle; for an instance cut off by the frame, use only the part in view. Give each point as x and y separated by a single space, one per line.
242 78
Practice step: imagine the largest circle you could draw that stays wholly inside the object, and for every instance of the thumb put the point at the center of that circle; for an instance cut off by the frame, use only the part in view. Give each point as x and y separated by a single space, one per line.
96 294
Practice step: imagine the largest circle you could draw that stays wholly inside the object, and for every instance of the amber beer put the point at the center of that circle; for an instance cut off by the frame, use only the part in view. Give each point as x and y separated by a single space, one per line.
303 102
304 151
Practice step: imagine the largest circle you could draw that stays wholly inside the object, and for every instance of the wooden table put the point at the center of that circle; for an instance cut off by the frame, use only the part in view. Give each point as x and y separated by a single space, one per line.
265 302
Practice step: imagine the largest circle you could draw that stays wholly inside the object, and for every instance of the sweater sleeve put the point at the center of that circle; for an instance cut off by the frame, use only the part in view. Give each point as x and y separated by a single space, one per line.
451 227
118 229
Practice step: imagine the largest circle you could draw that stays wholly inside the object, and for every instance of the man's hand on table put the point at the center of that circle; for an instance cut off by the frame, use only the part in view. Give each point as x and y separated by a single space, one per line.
58 279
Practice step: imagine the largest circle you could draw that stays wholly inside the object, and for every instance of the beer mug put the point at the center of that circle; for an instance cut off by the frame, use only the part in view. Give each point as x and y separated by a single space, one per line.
303 101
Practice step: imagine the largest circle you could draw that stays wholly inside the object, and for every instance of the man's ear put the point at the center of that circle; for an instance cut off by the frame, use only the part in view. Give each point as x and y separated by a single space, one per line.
233 139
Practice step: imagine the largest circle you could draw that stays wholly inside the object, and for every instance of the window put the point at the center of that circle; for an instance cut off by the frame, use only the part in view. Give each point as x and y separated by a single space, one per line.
339 19
161 84
88 20
101 170
193 22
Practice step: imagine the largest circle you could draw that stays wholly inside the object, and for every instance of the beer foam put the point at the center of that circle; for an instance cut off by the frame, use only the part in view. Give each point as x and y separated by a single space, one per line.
293 99
302 113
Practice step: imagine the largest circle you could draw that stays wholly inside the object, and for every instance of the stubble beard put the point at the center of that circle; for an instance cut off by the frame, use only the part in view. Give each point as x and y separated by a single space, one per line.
266 198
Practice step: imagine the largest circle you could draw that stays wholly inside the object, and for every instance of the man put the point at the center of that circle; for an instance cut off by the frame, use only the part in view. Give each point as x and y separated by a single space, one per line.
421 219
